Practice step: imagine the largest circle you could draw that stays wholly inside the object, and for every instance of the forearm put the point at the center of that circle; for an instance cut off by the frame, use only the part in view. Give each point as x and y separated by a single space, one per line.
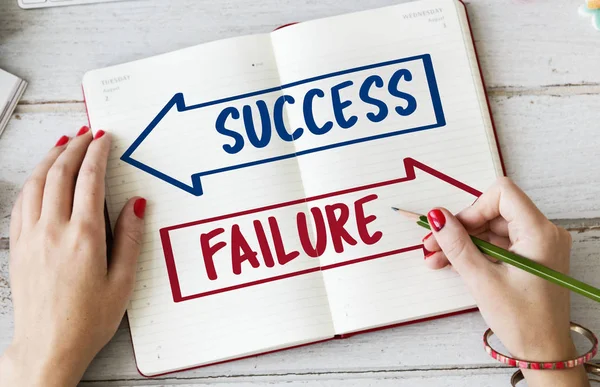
19 367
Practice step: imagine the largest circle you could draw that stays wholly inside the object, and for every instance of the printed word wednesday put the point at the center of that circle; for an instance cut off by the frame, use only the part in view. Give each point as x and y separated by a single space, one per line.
329 223
272 115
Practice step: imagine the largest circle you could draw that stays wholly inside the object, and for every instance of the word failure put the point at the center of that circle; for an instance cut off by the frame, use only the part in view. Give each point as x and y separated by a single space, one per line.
329 223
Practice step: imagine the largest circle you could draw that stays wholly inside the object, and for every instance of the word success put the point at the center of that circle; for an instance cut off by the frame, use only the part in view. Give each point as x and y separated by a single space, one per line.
332 224
317 111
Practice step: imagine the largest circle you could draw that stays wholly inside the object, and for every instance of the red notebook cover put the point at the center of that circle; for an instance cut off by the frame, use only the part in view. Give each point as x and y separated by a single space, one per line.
342 336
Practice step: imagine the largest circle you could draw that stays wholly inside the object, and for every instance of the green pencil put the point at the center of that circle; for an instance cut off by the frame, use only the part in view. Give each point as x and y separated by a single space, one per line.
521 262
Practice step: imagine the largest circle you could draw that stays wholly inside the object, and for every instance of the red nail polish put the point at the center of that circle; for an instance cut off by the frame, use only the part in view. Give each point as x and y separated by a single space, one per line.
62 141
426 237
99 134
437 220
139 208
84 129
428 254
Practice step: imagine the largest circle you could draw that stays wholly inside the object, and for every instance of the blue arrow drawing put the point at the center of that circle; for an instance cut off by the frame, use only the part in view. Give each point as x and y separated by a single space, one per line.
177 102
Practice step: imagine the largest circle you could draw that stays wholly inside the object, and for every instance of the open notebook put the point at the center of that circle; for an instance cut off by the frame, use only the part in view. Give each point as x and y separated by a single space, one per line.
270 163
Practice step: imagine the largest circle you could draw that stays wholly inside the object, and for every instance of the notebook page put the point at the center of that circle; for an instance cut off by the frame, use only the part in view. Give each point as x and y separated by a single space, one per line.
436 130
189 308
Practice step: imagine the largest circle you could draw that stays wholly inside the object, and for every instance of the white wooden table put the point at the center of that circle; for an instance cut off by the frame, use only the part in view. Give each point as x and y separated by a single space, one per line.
541 63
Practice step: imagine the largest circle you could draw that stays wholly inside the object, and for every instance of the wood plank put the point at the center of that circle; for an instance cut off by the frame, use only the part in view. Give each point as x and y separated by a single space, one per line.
53 48
551 151
445 378
457 340
549 146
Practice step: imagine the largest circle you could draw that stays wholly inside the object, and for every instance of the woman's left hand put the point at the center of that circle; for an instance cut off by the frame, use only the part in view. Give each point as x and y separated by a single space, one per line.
68 297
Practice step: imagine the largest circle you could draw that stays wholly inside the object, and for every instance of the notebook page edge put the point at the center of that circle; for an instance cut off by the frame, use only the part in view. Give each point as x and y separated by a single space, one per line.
479 82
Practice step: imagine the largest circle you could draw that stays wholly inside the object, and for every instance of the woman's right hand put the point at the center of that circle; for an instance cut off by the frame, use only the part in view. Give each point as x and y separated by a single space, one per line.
530 316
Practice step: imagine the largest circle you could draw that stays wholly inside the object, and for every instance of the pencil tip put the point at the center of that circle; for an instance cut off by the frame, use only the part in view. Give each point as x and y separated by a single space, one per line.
408 214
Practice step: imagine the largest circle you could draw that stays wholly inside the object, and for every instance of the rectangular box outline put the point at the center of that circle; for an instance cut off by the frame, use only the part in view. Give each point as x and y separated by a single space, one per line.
410 166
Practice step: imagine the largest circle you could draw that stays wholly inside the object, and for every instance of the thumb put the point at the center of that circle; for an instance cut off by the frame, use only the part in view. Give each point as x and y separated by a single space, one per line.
457 245
127 242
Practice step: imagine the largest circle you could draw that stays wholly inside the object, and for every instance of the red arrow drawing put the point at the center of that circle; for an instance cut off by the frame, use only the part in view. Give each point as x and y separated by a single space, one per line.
206 283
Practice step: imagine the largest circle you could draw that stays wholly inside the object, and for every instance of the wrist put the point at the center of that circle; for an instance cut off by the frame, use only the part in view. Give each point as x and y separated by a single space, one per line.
21 365
543 349
570 377
560 348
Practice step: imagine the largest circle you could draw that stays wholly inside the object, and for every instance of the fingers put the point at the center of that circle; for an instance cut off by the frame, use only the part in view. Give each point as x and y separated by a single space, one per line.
15 220
431 244
475 226
494 239
88 202
127 245
33 189
505 200
60 183
457 246
436 259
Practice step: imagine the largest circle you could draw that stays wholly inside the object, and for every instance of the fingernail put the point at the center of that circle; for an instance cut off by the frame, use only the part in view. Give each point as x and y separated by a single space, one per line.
99 134
62 141
139 208
426 237
437 220
84 129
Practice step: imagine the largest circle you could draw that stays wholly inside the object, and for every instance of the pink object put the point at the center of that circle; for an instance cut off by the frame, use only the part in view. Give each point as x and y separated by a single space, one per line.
545 365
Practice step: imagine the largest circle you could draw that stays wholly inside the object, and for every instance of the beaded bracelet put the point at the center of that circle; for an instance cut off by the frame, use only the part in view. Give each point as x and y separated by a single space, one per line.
545 365
590 368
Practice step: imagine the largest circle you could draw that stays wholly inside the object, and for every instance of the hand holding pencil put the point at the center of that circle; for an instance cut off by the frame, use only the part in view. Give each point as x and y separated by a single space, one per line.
530 315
